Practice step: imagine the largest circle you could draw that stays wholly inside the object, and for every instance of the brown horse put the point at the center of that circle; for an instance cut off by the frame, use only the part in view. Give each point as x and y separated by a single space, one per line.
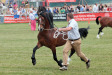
104 22
45 38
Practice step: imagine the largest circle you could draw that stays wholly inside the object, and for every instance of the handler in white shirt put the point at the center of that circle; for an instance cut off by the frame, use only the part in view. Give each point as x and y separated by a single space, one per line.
73 41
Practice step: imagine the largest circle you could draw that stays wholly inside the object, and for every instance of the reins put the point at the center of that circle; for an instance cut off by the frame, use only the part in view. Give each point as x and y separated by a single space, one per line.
51 28
57 33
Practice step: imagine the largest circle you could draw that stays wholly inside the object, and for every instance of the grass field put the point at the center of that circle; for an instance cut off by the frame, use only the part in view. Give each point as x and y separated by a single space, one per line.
17 42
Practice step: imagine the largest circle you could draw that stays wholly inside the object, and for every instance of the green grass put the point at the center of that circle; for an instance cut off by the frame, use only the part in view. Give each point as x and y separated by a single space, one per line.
17 42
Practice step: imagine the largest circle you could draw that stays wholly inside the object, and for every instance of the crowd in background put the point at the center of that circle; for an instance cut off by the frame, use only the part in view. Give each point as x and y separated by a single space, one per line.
81 8
12 8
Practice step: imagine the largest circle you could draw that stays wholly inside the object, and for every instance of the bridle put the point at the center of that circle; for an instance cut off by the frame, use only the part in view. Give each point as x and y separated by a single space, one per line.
43 24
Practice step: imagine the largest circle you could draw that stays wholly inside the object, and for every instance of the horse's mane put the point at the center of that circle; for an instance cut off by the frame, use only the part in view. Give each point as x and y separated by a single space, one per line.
46 16
41 9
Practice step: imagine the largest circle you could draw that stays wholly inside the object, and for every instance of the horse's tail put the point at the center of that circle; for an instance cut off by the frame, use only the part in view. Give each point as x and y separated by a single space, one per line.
84 32
97 21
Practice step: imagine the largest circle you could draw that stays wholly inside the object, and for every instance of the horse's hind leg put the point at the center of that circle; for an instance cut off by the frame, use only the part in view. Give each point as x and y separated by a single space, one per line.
100 30
55 57
71 53
33 54
101 33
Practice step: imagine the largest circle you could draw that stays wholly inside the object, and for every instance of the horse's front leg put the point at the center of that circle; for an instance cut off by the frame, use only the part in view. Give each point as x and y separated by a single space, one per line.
55 57
33 54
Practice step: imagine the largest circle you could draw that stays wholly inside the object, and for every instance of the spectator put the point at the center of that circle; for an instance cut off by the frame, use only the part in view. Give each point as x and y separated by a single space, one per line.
62 10
95 8
4 8
87 7
90 8
65 5
110 7
71 6
78 7
84 8
15 11
76 10
23 13
10 7
8 12
72 10
48 10
66 10
81 9
1 7
26 4
105 8
55 10
19 11
100 7
15 5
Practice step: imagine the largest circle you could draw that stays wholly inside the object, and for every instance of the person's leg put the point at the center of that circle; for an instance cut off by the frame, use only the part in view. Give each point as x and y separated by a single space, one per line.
65 52
65 55
77 47
32 25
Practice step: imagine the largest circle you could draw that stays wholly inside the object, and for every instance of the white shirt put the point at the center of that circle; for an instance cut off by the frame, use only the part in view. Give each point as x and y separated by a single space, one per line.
74 33
18 12
95 8
31 16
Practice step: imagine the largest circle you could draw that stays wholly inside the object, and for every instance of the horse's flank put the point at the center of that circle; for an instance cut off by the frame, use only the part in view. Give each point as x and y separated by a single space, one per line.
106 21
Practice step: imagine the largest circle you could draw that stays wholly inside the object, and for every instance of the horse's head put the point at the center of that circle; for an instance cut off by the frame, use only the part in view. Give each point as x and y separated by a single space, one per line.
41 9
41 23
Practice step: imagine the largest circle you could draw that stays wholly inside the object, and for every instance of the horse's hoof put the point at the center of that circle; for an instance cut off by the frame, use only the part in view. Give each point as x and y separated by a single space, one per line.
33 61
98 36
60 63
102 34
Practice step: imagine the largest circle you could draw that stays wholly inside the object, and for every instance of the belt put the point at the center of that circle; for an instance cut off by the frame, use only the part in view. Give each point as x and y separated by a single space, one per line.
74 39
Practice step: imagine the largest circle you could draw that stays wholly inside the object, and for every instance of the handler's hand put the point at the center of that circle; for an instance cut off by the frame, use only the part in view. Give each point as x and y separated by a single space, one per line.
60 30
55 28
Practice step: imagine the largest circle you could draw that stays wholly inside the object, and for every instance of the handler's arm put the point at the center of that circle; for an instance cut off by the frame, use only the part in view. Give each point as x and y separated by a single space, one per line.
65 29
